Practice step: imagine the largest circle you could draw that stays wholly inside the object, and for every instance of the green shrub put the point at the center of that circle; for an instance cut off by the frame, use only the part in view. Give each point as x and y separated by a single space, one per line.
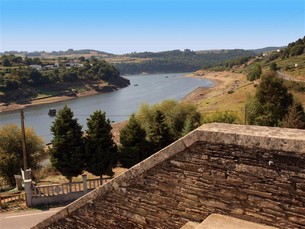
221 117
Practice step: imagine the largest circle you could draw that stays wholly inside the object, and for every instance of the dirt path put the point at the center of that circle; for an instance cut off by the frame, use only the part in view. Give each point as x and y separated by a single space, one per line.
288 77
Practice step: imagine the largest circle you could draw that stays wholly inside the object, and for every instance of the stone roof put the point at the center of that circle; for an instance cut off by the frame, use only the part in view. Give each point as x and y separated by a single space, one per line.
249 172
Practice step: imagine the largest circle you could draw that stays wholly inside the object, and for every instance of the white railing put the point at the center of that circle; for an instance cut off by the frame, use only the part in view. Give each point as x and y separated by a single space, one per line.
94 183
66 188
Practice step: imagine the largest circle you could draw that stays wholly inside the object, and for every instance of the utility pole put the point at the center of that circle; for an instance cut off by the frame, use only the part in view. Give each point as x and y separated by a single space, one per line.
25 164
245 114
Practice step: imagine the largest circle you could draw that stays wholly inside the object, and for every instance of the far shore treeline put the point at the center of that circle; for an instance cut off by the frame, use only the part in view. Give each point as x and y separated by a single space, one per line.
22 78
29 76
179 61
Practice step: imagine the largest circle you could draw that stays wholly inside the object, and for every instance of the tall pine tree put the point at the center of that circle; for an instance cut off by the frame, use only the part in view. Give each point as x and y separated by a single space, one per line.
67 152
101 151
134 146
159 133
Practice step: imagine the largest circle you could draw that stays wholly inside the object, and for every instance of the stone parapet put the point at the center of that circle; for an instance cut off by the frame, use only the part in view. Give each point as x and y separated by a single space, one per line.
248 172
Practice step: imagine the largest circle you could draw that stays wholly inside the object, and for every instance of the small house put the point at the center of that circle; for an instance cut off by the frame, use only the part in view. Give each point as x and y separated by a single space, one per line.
36 66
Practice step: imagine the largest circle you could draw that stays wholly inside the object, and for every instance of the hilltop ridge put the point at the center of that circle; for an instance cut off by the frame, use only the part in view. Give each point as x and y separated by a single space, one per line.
234 90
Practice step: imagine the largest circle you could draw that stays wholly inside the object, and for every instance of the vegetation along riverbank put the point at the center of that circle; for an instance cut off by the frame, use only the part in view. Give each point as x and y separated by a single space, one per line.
33 81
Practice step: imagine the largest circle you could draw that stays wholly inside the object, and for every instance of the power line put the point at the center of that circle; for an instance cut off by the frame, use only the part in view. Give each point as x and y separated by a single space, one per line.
116 115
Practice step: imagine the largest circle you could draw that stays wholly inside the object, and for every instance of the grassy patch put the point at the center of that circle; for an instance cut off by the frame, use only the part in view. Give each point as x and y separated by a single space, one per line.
234 102
297 89
293 66
295 86
125 59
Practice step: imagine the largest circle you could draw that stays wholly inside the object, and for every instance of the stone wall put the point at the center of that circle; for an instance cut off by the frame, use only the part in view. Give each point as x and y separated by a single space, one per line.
58 199
252 173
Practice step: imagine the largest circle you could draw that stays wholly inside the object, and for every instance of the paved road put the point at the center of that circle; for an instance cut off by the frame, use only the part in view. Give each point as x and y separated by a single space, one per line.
26 219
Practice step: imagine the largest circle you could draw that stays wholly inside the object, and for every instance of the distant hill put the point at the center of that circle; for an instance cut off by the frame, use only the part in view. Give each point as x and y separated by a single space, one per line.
79 52
266 49
68 52
294 48
171 61
24 79
177 61
289 63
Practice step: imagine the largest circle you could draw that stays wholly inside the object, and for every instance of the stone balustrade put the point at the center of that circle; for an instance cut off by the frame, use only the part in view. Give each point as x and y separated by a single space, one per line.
60 193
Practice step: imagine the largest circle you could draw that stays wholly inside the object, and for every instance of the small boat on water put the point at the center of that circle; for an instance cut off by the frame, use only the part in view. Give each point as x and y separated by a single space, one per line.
52 112
136 85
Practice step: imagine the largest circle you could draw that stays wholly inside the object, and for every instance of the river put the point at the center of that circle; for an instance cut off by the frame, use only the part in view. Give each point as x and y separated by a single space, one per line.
118 105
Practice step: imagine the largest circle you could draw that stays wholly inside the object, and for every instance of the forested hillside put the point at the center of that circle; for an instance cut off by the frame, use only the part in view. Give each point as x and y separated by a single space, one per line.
178 61
24 77
273 91
69 52
289 61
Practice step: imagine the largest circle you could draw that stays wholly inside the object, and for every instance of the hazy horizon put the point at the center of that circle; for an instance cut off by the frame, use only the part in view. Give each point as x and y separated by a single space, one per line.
207 50
125 26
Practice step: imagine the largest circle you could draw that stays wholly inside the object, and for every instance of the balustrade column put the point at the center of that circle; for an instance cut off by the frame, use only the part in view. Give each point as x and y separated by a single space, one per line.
85 183
28 192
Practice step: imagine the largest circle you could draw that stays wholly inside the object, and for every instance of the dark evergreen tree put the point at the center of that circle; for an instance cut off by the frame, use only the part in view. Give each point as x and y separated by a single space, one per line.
273 100
273 67
295 117
67 152
134 146
101 151
159 133
6 62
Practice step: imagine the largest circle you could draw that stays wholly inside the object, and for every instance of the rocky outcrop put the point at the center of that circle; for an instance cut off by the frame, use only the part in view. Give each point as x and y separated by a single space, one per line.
120 82
248 172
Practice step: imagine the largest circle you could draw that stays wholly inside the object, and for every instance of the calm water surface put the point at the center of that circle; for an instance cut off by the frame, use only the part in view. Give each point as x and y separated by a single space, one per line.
118 105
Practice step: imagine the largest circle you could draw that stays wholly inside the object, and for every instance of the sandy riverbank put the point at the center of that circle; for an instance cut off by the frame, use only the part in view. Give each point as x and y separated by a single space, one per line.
223 81
49 100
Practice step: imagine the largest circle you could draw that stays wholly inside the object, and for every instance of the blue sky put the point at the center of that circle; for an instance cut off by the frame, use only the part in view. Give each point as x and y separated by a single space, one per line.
124 26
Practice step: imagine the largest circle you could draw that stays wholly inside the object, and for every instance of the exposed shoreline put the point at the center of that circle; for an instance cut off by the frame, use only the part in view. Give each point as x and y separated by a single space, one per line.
49 100
195 95
223 82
